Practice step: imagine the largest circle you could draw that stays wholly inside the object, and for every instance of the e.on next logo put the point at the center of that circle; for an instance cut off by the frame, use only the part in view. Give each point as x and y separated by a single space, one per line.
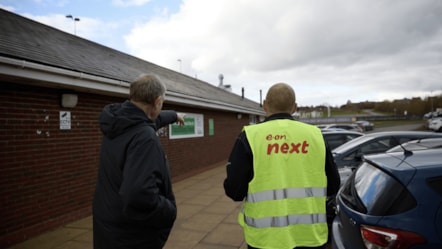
285 148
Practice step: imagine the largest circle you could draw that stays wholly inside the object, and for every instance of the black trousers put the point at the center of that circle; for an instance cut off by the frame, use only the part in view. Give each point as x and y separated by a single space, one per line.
318 247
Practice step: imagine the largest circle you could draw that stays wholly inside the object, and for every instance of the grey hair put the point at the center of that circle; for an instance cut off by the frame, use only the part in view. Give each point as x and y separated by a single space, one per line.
146 89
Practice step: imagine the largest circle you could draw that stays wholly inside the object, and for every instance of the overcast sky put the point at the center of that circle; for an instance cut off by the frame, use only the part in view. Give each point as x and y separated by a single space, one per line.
329 51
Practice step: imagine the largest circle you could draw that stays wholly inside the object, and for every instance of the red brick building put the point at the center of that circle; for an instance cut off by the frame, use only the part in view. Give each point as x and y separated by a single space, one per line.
49 152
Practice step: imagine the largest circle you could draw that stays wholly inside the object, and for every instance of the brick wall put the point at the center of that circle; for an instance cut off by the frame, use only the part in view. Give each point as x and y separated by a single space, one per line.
191 155
47 175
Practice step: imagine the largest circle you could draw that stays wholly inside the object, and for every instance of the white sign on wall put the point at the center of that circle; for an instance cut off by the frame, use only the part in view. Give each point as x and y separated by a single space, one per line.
65 120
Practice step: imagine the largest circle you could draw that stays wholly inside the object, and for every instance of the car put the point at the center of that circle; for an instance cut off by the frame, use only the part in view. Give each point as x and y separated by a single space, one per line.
335 138
420 144
435 124
365 125
349 155
434 114
349 127
392 200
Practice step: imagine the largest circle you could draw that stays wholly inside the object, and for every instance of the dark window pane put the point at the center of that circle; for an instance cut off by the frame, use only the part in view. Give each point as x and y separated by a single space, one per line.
436 184
374 192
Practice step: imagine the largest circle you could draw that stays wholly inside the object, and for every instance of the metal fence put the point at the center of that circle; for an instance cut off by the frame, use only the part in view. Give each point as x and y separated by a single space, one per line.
351 119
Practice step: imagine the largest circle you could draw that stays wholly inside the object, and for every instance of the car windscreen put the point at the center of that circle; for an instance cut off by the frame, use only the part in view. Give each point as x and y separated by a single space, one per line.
372 191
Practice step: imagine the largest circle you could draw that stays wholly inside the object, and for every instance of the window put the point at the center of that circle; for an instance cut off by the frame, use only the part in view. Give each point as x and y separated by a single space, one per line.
376 146
436 184
334 140
374 192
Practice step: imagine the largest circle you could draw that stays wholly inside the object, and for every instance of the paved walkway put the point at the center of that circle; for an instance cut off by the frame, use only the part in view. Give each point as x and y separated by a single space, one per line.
206 220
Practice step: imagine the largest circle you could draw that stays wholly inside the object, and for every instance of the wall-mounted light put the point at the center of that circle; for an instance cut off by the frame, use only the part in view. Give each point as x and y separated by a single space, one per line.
239 116
69 100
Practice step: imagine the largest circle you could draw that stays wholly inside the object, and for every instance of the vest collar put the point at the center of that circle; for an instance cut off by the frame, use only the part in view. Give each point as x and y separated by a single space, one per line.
278 116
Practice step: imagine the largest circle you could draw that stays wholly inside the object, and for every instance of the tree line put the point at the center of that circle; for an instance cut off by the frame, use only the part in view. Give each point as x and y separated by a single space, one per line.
415 106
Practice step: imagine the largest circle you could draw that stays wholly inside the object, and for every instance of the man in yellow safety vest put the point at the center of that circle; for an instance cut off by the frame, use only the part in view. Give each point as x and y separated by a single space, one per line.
283 171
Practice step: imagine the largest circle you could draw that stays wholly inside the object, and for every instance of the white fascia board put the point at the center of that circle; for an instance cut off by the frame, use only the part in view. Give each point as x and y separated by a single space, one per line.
207 103
61 78
55 77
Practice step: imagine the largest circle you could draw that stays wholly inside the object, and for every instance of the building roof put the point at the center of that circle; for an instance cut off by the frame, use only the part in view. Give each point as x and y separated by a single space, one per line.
43 55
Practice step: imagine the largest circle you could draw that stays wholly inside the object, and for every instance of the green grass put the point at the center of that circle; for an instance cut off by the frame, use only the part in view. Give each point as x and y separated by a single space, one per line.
339 112
397 122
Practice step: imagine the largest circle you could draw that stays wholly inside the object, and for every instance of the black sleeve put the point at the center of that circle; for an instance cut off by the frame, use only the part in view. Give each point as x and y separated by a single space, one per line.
333 179
165 118
239 169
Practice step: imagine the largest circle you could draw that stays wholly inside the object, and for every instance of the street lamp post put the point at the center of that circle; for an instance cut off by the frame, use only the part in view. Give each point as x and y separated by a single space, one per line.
75 19
431 98
179 60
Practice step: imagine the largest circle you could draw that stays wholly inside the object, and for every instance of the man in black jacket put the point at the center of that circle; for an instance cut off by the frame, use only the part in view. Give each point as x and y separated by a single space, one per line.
134 205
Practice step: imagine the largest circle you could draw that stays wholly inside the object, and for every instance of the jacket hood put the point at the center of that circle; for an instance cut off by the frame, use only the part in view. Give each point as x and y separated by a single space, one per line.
117 118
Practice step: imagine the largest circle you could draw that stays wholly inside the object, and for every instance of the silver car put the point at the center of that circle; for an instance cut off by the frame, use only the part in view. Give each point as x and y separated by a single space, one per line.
349 155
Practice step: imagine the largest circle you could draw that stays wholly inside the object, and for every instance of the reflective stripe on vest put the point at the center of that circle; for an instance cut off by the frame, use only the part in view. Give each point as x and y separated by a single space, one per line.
284 221
279 194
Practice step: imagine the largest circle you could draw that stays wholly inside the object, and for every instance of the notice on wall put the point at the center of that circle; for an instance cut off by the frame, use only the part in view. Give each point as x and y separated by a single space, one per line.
193 127
65 120
211 127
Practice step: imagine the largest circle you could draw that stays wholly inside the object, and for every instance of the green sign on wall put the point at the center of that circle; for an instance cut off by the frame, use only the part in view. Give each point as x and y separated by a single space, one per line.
211 127
193 127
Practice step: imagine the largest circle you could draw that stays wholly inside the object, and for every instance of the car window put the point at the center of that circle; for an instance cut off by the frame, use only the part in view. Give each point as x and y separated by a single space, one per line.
350 137
372 191
436 184
371 147
376 146
334 137
350 156
334 140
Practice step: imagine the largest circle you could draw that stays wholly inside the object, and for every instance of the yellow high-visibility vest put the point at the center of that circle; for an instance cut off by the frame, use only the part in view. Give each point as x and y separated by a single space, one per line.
286 202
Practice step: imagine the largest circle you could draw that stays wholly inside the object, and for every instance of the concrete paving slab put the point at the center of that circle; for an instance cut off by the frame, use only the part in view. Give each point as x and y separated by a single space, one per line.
225 234
52 239
206 219
75 245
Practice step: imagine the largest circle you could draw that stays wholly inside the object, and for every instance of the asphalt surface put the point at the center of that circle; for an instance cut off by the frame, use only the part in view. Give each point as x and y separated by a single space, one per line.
406 127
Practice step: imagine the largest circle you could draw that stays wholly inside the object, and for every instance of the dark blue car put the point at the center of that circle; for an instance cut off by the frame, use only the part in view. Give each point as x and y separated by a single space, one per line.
392 200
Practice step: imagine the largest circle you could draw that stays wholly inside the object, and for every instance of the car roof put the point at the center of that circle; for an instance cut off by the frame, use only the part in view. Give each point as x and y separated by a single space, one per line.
341 131
419 144
400 164
383 134
332 129
325 125
335 126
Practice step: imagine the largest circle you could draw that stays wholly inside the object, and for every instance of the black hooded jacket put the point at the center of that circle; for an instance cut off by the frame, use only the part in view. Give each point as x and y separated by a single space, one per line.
134 206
